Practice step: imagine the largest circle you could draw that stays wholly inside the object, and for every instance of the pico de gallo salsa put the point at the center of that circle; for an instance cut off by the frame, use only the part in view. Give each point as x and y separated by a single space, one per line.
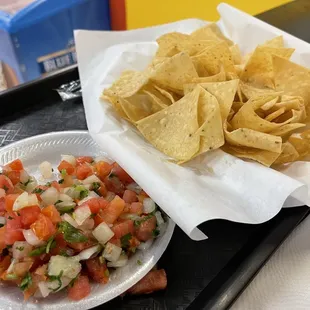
85 218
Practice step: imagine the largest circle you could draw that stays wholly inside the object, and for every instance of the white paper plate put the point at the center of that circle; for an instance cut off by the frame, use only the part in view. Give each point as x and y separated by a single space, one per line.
32 152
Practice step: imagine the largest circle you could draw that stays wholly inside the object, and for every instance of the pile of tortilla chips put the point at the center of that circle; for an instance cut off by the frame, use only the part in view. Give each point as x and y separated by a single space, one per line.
199 94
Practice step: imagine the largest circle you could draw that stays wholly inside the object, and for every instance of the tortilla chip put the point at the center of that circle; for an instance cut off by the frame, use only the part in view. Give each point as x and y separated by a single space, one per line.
276 42
129 83
288 155
254 139
250 91
270 104
168 41
275 114
286 129
210 30
166 93
210 122
247 117
236 54
175 72
219 77
211 59
266 158
259 69
172 130
301 145
157 104
291 78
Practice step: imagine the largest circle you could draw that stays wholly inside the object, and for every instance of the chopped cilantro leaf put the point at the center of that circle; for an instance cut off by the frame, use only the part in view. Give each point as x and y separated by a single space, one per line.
20 248
26 282
56 278
96 186
38 251
10 218
125 240
70 233
1 225
139 222
106 272
139 262
112 175
58 201
61 181
48 184
38 191
83 194
64 253
26 183
63 172
51 243
155 233
5 188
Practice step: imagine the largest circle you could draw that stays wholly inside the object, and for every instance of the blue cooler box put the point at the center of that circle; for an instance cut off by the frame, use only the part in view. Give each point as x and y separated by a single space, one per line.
38 39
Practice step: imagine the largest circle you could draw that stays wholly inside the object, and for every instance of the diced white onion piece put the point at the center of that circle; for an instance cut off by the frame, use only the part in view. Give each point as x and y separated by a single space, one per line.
121 262
46 170
69 158
70 266
70 191
62 206
145 245
66 217
87 186
50 196
2 192
103 233
21 249
84 200
88 253
11 267
24 176
110 196
91 179
25 200
159 218
81 214
31 238
64 197
31 185
87 225
162 228
2 220
112 252
104 158
148 205
92 194
32 200
43 289
130 216
65 281
134 187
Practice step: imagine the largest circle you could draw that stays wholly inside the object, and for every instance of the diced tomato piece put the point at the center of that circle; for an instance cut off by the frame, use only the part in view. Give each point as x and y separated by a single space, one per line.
29 215
124 228
84 159
2 239
130 196
80 289
9 201
6 184
14 176
68 181
5 262
103 169
56 185
145 231
102 191
116 241
121 174
2 204
113 184
80 246
64 165
16 165
98 219
21 268
97 271
113 210
95 204
136 208
13 235
43 227
155 280
52 213
83 171
61 245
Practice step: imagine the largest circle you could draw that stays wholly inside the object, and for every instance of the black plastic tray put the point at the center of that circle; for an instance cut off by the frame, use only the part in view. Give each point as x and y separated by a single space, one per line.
208 274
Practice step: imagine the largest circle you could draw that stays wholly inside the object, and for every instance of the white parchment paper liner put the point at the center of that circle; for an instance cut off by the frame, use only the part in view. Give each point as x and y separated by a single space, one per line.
215 185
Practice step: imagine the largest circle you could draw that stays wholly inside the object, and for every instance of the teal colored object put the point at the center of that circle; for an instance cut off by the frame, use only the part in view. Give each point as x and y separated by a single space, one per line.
39 38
